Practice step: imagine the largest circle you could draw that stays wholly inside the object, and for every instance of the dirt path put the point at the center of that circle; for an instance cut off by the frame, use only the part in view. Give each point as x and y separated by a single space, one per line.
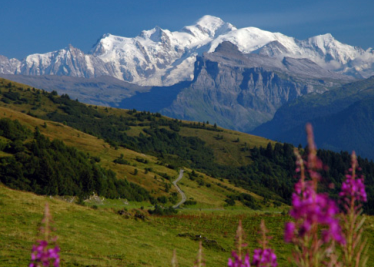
179 190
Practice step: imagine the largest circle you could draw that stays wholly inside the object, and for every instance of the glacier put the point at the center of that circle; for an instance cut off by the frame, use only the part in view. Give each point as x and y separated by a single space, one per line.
159 57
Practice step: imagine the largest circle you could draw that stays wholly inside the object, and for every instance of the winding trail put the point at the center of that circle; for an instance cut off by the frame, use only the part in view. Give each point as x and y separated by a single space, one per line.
179 190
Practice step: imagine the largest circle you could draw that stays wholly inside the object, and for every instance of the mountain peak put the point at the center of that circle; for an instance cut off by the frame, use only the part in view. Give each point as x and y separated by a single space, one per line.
160 57
323 38
209 21
213 26
105 35
154 34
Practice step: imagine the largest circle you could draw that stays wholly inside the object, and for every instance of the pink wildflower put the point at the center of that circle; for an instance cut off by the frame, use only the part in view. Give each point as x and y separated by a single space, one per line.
352 194
42 256
264 258
353 188
289 231
238 262
312 212
312 208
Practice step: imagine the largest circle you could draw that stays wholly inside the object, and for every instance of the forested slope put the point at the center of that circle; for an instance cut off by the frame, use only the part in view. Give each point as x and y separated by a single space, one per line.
256 164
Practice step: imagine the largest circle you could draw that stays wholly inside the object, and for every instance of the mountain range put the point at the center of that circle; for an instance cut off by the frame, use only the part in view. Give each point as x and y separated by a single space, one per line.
159 57
233 89
243 79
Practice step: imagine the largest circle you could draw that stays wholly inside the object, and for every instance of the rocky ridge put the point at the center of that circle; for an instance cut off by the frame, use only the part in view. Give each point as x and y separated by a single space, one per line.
235 90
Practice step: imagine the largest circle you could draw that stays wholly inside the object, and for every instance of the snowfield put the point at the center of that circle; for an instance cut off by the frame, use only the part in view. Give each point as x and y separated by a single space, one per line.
162 57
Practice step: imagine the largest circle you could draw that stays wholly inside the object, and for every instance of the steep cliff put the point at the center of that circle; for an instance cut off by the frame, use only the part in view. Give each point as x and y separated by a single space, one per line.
241 91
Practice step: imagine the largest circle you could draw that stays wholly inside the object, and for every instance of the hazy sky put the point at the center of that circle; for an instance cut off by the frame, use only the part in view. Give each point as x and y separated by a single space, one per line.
40 26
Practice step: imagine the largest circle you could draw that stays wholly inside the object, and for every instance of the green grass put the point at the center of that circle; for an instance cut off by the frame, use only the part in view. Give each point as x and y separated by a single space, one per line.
88 237
101 237
227 151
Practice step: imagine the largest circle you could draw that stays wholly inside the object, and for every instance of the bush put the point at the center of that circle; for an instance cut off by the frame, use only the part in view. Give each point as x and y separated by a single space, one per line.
158 210
190 203
230 201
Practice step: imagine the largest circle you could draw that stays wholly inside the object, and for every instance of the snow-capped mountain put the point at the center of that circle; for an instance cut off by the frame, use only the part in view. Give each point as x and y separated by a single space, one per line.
8 66
157 56
162 57
65 62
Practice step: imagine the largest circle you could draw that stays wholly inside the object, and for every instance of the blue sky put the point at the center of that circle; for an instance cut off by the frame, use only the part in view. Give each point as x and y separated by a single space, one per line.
41 26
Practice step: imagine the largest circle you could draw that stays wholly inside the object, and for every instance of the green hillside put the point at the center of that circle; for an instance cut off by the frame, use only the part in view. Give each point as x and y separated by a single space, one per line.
147 149
103 237
170 144
129 159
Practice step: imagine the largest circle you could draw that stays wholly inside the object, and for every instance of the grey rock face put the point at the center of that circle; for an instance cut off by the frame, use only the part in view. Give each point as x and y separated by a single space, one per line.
232 90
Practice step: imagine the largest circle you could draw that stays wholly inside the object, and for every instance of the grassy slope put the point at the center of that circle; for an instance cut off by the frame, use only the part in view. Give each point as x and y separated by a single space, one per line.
209 197
103 238
89 237
227 150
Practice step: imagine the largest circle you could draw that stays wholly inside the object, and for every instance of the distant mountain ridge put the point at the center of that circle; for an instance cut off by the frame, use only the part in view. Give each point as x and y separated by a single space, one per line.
343 119
159 57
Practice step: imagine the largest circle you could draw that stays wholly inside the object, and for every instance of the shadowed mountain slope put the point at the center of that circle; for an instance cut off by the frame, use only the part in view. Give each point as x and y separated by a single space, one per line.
343 119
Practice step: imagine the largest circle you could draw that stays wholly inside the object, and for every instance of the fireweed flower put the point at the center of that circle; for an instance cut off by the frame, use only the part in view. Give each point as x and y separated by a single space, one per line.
311 208
238 262
312 212
353 188
289 231
42 255
352 194
237 255
264 257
